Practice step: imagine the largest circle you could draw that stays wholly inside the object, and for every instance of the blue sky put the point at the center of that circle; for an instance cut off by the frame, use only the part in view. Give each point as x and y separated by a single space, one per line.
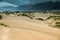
17 3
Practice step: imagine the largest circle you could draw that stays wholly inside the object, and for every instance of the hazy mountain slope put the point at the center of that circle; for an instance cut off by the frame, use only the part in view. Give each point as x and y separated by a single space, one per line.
8 8
34 7
42 6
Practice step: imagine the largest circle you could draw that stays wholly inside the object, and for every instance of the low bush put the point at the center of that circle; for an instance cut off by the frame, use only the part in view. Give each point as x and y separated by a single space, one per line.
18 15
0 16
58 26
4 25
24 15
57 22
40 19
49 17
27 16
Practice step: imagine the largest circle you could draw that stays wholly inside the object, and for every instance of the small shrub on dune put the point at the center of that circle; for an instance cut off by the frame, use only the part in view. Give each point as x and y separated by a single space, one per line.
40 19
58 26
24 15
18 15
0 16
30 17
27 16
49 17
4 25
57 22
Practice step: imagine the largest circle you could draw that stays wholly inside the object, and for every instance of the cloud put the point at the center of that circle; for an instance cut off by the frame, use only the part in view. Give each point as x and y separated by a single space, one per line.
2 4
22 2
18 2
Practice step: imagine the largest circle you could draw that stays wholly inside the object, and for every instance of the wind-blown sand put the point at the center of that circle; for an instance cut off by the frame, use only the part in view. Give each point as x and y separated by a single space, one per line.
19 29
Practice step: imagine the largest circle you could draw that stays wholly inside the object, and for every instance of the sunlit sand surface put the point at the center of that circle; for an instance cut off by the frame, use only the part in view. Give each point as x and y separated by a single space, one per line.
4 35
19 29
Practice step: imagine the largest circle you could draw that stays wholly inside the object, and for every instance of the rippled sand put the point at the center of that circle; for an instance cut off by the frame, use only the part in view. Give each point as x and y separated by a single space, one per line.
19 29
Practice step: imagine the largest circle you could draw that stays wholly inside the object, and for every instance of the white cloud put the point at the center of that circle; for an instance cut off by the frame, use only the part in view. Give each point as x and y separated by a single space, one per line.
18 2
2 4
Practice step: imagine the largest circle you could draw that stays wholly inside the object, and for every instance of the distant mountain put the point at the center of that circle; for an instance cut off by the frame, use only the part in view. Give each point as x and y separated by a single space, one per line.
8 8
46 6
41 6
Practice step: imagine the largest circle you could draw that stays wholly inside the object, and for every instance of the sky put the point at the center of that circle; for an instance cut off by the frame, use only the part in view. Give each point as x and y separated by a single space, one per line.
17 3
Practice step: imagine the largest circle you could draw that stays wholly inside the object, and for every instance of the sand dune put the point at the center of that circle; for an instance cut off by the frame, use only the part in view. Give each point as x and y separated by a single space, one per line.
25 30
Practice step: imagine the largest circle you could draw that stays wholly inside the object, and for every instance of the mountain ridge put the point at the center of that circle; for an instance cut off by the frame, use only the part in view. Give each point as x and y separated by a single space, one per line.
46 6
43 6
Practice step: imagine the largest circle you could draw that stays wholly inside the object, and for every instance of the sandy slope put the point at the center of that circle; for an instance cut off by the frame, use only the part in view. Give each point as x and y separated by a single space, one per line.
25 30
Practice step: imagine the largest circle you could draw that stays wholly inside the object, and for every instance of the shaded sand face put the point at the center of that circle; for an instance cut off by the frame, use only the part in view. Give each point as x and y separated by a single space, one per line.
24 30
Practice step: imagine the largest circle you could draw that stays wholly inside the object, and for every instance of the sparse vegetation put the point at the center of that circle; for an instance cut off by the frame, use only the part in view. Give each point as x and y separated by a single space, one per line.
18 14
58 26
24 15
27 16
4 25
54 17
31 15
49 17
58 17
40 19
0 16
57 22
